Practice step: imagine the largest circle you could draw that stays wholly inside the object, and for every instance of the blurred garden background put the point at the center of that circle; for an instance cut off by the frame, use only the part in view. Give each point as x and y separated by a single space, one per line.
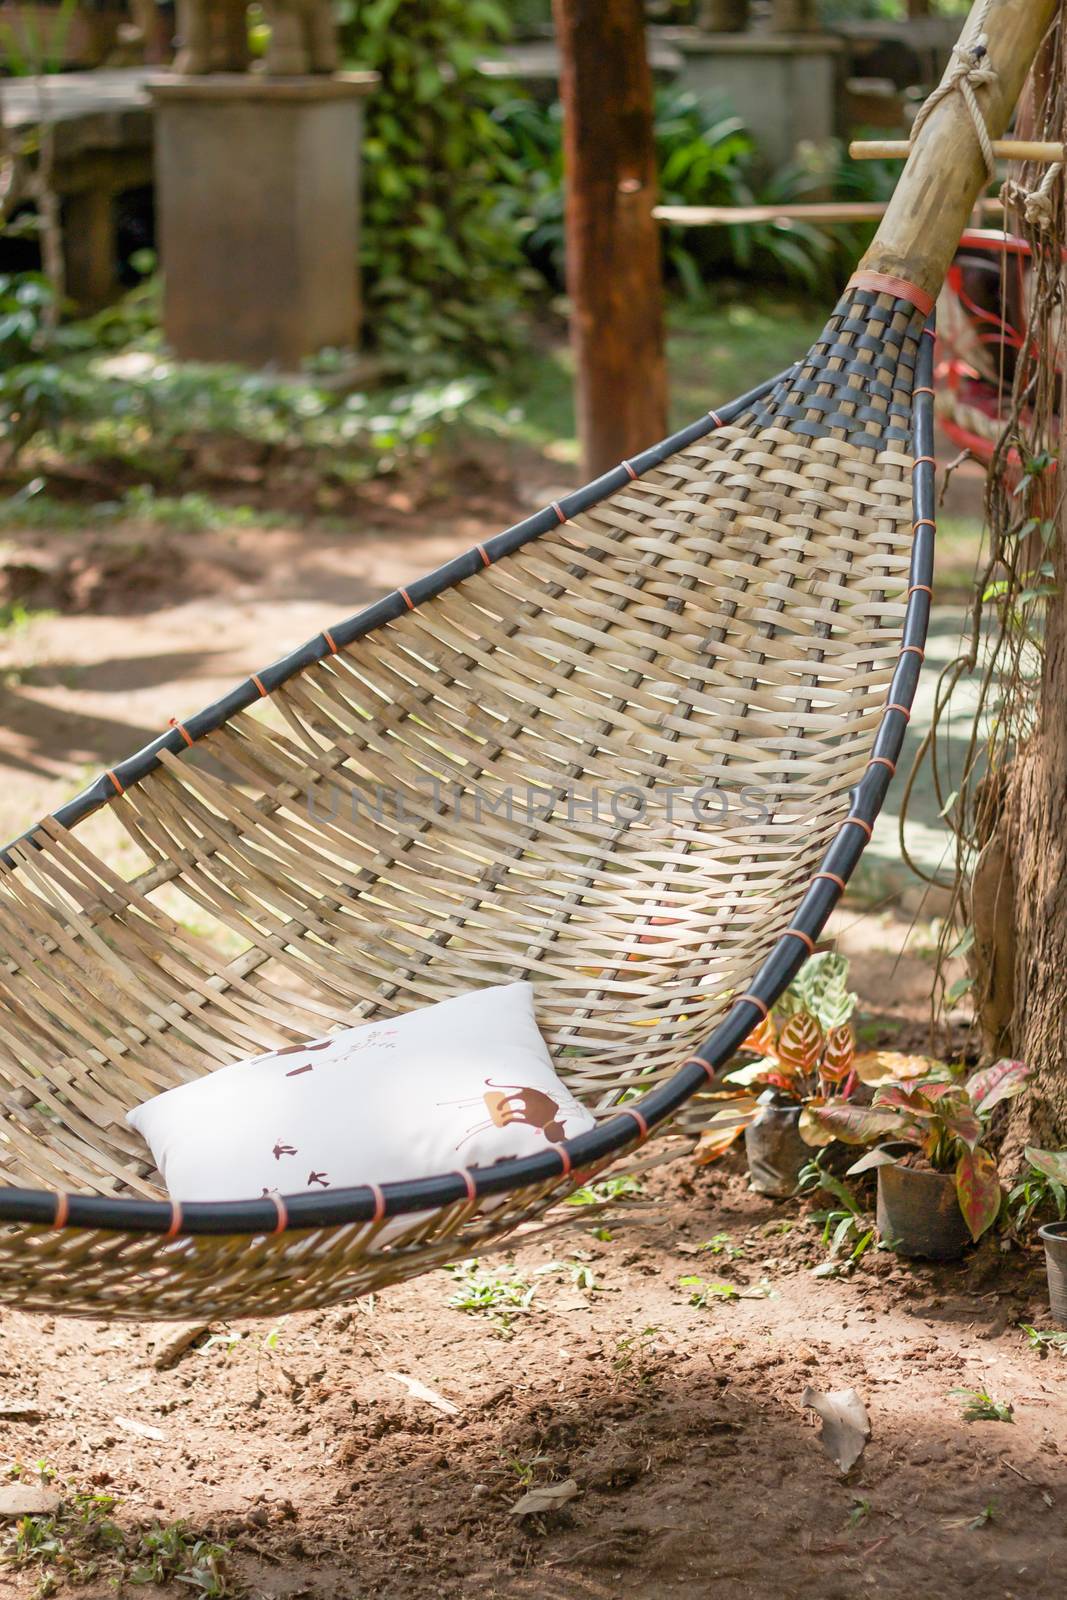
286 321
226 506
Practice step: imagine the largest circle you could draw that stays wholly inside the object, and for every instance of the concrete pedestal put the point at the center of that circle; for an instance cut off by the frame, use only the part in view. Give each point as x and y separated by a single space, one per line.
257 195
786 87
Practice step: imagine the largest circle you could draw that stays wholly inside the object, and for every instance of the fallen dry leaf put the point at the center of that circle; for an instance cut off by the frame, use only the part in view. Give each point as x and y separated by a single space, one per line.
170 1350
144 1430
846 1426
20 1411
28 1500
419 1391
723 1128
548 1498
889 1066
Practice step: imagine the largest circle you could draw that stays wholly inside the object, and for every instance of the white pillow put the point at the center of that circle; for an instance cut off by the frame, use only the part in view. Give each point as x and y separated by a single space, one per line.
459 1084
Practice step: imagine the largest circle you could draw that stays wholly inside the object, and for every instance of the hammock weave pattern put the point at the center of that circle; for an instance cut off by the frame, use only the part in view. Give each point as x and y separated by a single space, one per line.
630 750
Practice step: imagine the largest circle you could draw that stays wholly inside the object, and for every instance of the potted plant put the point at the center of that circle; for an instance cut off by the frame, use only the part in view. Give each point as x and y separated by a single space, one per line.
804 1059
1052 1164
938 1186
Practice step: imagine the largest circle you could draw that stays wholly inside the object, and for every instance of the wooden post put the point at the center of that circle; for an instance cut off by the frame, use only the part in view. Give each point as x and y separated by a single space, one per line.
90 249
613 257
945 172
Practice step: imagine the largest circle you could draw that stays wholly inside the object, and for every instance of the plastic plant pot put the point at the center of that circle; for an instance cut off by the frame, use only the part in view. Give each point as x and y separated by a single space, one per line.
775 1150
1054 1237
919 1213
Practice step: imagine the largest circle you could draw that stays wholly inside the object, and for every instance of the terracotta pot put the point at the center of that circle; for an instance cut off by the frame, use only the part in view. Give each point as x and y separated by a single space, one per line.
919 1214
775 1150
1054 1237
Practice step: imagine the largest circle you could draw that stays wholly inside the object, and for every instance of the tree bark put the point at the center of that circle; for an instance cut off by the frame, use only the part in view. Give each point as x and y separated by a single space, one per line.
1035 819
613 252
1019 888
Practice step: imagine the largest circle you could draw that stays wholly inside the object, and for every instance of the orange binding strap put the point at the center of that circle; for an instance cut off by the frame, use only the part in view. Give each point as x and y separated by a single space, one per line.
642 1125
899 288
698 1061
472 1192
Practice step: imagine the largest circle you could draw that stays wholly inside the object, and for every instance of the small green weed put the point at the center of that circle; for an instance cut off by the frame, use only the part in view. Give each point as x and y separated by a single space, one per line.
847 1231
861 1510
493 1294
978 1406
1043 1341
83 1543
623 1187
14 616
1037 1192
720 1244
703 1293
525 1471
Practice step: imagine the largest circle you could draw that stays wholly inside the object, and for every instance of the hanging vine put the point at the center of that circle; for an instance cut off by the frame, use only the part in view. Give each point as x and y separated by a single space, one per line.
1003 642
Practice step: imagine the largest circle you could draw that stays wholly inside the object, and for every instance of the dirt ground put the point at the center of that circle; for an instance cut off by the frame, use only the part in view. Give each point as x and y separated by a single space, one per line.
697 1470
298 1447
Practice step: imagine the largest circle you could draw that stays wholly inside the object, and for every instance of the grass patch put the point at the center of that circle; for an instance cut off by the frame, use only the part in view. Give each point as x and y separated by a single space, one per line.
83 1543
713 356
32 508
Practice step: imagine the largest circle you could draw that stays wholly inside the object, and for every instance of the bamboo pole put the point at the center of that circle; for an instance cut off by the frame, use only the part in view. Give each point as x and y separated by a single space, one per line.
945 172
814 211
1004 149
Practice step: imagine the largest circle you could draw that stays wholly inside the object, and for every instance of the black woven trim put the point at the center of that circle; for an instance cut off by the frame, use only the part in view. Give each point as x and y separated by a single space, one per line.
609 1138
870 376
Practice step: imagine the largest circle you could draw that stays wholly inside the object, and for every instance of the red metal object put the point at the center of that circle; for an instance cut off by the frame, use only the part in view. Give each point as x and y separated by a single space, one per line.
981 332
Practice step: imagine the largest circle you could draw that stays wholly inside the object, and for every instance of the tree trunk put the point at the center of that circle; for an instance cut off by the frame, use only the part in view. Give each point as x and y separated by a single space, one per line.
1019 889
1035 819
613 255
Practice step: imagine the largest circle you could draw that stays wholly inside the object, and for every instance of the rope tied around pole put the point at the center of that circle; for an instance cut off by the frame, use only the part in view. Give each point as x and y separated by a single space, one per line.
969 69
1037 205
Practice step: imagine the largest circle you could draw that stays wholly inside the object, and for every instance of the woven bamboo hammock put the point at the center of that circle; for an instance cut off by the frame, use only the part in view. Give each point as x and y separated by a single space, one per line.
742 607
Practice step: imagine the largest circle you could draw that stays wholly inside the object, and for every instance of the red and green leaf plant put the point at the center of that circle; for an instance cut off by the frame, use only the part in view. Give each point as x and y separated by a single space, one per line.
945 1120
807 1052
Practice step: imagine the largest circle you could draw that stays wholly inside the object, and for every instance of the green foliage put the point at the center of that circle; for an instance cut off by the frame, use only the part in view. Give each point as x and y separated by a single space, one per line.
83 1543
978 1406
142 411
846 1229
720 1244
1043 1189
705 156
623 1186
441 251
1043 1340
703 1293
821 989
496 1295
35 41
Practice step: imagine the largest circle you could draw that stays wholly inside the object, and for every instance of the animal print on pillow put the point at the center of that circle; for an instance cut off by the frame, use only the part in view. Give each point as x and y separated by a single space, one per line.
465 1083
